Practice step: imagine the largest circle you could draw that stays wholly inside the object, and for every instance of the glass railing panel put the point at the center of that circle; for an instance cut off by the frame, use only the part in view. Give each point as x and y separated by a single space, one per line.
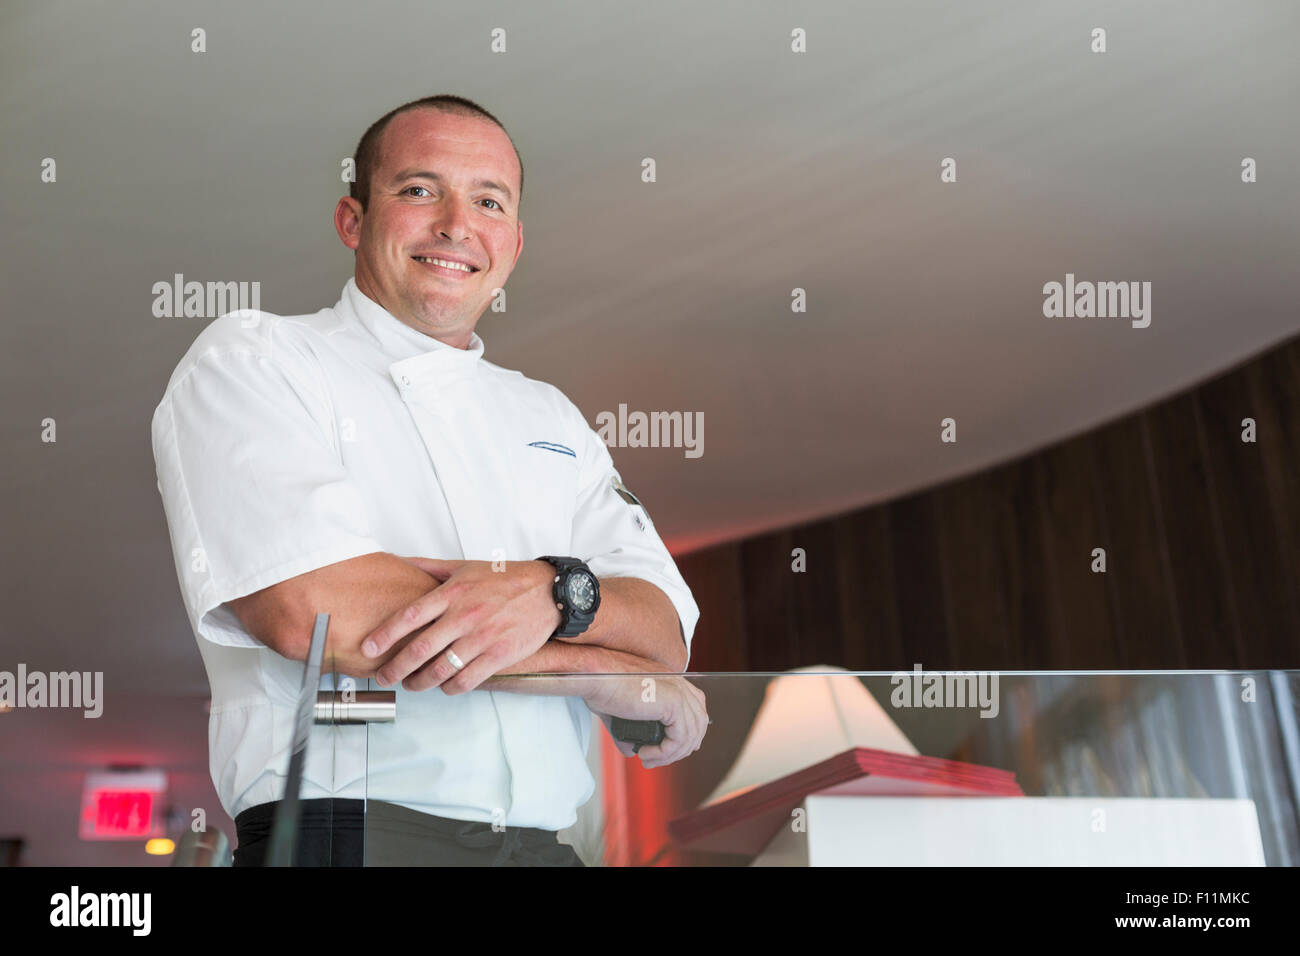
822 766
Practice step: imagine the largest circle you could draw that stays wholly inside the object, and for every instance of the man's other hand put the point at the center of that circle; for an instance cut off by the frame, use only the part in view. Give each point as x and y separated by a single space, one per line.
673 701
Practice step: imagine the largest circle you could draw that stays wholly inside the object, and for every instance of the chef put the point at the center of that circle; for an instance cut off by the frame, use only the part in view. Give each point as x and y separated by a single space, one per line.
457 520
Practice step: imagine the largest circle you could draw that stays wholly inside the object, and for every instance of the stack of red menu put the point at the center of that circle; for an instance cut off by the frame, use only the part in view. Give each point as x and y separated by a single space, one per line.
746 821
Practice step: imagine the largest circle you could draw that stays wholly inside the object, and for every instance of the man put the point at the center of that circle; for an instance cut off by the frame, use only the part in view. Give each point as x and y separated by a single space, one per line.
458 521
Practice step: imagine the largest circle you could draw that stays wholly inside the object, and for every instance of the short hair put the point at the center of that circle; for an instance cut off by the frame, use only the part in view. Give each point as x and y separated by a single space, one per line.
366 155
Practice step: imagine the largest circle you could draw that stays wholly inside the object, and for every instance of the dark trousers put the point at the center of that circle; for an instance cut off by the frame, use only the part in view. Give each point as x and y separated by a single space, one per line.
373 833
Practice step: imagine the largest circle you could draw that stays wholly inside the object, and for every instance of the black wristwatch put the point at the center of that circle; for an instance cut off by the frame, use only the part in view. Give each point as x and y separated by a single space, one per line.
576 592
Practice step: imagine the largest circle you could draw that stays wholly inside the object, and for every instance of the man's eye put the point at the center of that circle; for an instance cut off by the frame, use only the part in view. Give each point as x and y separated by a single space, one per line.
499 206
409 188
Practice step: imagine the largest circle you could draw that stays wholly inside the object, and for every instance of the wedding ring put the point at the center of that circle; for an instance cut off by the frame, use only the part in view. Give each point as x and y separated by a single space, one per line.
456 662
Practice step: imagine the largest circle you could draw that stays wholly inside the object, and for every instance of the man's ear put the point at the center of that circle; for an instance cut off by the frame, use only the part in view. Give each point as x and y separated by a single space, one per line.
348 217
520 250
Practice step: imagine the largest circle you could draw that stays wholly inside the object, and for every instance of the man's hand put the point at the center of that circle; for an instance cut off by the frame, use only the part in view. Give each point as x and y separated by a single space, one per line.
674 701
489 619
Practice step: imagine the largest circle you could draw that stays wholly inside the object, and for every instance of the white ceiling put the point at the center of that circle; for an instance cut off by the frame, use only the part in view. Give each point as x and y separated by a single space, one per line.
775 171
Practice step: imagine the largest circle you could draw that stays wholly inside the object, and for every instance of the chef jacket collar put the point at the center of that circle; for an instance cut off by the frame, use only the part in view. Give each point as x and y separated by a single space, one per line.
414 358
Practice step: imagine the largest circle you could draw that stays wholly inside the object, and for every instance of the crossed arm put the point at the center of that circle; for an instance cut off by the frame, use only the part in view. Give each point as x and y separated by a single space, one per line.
392 619
412 609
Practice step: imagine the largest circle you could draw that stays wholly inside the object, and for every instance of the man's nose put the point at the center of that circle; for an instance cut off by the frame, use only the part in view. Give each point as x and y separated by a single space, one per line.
454 222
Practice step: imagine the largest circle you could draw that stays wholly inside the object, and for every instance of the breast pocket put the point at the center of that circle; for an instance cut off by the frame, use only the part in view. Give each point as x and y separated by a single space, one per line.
546 492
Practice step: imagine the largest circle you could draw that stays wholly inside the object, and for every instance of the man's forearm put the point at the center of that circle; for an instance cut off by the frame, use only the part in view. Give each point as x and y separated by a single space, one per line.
558 658
635 628
359 594
637 618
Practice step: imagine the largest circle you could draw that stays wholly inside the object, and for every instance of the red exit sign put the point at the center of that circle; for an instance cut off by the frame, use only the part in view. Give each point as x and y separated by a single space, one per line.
122 805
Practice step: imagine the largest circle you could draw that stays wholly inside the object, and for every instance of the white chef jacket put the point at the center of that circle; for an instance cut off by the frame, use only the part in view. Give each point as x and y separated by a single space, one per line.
287 443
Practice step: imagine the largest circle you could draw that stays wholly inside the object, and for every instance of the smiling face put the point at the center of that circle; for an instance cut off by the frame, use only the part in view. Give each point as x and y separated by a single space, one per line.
447 187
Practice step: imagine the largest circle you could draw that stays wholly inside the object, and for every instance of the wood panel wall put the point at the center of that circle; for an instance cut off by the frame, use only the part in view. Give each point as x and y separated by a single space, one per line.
993 571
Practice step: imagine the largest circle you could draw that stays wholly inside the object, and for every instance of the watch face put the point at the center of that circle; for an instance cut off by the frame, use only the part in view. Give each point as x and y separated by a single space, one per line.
581 591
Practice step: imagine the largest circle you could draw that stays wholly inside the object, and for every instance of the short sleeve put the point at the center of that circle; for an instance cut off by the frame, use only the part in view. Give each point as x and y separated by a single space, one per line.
252 484
613 533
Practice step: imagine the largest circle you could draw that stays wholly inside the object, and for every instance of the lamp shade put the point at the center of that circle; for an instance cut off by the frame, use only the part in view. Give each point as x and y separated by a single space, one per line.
809 715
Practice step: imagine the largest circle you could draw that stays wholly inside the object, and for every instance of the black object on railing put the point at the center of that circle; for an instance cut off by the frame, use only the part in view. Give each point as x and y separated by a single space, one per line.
638 733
